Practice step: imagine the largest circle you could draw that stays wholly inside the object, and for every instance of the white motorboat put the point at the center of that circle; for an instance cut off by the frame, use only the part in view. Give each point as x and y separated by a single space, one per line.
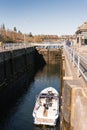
46 110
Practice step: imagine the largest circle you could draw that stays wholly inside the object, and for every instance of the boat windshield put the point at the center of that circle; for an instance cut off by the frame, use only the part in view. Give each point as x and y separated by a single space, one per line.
44 95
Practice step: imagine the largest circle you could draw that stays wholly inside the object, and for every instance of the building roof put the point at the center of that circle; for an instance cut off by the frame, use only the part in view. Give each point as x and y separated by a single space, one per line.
82 28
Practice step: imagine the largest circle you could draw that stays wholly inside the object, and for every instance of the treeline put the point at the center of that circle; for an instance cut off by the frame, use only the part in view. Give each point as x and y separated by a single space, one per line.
14 36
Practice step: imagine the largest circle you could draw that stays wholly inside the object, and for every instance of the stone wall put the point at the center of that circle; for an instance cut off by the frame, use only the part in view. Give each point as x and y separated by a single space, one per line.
14 63
51 56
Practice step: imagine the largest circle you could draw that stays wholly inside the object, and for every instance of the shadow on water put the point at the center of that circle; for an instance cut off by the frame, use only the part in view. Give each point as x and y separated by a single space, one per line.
11 93
17 100
44 127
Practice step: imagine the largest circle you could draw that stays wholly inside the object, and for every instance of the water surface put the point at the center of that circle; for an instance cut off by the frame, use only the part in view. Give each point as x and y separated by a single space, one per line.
20 115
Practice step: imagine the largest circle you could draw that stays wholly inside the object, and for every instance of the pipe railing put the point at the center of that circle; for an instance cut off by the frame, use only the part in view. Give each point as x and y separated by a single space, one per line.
79 61
13 46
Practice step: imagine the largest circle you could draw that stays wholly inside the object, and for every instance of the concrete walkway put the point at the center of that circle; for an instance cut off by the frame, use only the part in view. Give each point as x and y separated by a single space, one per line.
75 94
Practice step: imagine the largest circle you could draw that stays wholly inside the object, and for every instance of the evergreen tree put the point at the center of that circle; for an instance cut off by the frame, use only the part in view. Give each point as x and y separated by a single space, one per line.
3 26
30 34
15 30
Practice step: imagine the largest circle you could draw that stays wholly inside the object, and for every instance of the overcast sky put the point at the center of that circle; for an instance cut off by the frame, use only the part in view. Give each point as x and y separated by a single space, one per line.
54 17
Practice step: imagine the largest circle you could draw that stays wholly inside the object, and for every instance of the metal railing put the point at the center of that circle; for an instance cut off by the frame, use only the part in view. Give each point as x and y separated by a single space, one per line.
14 46
79 61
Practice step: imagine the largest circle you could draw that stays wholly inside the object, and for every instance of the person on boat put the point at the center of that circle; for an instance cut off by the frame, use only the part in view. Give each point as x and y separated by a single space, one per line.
46 106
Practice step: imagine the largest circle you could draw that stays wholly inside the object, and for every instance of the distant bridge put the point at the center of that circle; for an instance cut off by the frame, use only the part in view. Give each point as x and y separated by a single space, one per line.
51 44
14 46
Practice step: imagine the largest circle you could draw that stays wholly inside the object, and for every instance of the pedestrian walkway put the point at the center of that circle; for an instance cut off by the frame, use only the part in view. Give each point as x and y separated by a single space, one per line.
78 58
82 50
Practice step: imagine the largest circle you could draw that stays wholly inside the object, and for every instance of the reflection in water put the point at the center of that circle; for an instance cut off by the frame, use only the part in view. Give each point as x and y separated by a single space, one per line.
22 94
46 128
65 125
43 127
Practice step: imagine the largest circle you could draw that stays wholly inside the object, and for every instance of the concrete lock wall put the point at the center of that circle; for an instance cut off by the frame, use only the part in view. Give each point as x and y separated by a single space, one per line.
14 63
74 106
73 98
51 56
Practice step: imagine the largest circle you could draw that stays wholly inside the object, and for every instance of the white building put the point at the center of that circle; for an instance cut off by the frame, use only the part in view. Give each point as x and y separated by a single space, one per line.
81 35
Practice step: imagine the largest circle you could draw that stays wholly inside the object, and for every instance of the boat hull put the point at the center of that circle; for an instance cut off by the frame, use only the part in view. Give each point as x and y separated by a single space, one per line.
49 122
46 110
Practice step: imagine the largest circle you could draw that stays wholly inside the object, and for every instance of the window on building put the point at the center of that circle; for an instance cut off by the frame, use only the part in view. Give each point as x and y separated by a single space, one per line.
77 39
85 41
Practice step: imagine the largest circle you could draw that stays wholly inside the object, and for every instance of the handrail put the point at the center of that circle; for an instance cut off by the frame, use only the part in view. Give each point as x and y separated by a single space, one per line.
79 61
13 46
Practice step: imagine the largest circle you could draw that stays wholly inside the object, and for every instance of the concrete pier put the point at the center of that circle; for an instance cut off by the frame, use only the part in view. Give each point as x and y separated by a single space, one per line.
73 98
